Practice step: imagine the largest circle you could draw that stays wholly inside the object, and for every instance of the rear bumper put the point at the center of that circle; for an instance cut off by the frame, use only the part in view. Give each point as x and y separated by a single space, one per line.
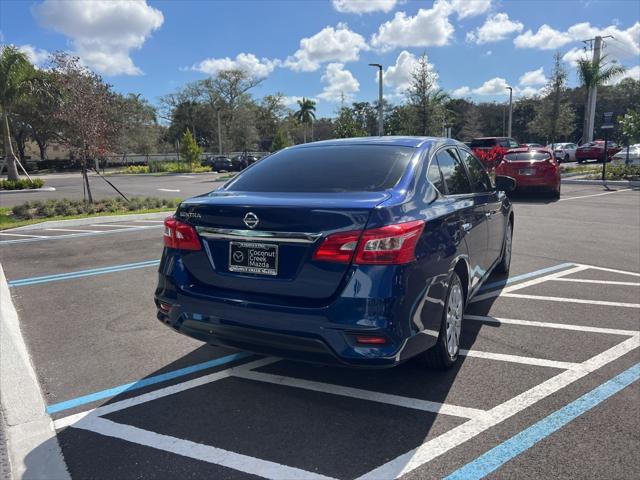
550 179
322 334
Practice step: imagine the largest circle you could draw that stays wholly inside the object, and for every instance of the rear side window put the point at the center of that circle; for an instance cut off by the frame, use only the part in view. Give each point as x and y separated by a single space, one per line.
344 168
435 177
480 181
527 156
453 173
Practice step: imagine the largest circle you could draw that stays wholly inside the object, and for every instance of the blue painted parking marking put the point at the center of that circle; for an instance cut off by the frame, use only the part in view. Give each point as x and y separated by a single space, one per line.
127 387
517 278
82 273
498 456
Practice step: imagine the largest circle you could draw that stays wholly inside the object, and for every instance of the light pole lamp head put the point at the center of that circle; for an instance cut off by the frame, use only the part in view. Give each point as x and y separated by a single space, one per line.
377 65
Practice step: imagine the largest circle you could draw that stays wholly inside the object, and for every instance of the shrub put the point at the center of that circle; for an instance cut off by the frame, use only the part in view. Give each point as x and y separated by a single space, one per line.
490 158
623 172
21 184
166 167
66 207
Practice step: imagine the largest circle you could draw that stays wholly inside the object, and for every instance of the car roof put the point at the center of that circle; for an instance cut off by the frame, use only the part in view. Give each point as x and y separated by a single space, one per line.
400 141
488 138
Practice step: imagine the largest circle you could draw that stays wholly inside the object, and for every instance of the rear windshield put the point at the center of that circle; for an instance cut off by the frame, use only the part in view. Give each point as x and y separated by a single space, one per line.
527 156
483 142
345 168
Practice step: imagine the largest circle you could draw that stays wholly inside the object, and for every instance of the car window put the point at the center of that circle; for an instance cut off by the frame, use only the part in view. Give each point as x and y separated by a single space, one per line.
527 156
327 169
504 142
453 172
435 177
480 181
512 143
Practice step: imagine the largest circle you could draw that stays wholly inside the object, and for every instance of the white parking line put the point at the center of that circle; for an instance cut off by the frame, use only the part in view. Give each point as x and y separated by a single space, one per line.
571 300
560 326
168 189
23 235
198 451
400 401
529 283
114 225
71 230
70 420
503 357
595 195
601 282
612 270
149 221
441 444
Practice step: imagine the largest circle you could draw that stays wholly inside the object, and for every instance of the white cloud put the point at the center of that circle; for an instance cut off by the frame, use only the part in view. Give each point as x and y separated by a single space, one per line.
575 54
292 101
328 45
339 82
461 92
103 32
398 76
427 28
495 86
470 8
37 56
534 77
625 44
494 29
633 72
546 38
364 6
248 62
527 91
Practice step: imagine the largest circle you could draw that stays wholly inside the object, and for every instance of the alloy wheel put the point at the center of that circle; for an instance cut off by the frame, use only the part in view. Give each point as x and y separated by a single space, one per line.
455 306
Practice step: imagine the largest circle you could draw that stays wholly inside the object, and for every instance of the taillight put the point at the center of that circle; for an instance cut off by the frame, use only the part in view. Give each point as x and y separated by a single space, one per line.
388 245
370 340
180 235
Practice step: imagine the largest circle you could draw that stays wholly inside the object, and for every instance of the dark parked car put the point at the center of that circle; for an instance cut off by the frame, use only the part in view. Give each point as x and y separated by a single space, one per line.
366 268
219 163
487 143
595 151
239 162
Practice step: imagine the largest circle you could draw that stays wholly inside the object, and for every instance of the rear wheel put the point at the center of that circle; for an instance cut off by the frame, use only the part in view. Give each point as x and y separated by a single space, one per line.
445 352
555 193
567 158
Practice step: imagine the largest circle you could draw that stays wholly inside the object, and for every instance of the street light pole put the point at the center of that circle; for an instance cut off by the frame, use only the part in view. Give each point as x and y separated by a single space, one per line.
380 109
510 111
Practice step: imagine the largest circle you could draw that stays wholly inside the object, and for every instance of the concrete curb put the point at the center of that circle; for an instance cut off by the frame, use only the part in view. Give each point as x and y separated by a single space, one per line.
33 447
30 190
616 183
91 220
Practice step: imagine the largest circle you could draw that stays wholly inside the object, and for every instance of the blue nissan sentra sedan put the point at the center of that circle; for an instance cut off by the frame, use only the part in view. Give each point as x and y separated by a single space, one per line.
360 251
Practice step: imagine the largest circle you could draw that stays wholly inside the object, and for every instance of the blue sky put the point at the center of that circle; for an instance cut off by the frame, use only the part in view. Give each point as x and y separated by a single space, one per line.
321 49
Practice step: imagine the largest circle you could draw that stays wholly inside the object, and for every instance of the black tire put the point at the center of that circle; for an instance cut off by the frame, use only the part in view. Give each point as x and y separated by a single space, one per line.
580 161
567 158
505 260
555 194
439 357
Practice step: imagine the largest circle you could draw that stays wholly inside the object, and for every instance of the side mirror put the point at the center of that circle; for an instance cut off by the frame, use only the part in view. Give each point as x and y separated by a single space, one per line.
506 184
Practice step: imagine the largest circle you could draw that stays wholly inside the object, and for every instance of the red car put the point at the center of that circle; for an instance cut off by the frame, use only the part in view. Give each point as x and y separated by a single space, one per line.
595 151
532 168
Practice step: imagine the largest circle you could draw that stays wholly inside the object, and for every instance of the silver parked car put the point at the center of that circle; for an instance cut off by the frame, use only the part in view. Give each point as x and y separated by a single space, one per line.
620 158
563 152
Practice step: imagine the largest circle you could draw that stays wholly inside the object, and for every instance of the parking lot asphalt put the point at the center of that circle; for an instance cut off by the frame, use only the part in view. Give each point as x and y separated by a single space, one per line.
132 399
69 185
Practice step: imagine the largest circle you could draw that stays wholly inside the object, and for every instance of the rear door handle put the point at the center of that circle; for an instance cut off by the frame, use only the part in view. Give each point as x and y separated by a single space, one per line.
466 227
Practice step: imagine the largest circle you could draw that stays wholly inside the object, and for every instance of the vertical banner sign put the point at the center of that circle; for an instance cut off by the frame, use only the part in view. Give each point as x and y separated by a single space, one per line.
607 124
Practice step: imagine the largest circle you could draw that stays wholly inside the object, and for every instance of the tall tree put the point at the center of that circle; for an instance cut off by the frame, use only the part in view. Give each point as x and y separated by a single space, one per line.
88 113
594 74
426 100
554 116
346 125
306 114
17 79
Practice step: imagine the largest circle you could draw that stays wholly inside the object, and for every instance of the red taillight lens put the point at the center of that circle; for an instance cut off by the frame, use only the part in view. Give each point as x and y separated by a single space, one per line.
338 247
370 340
389 245
179 235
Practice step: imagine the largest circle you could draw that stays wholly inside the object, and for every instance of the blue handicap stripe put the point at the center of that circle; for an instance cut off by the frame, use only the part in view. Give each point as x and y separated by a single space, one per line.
498 456
517 278
127 387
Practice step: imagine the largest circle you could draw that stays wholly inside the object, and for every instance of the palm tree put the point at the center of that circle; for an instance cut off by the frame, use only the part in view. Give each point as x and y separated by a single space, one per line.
16 79
306 114
592 75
